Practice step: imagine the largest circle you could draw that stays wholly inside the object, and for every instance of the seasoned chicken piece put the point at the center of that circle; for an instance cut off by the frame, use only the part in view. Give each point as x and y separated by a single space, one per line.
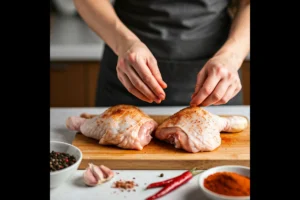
125 126
195 129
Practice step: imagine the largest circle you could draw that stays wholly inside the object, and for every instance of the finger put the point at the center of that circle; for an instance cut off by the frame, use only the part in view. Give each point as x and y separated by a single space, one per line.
207 88
217 94
152 64
237 90
146 76
128 85
227 96
200 80
140 85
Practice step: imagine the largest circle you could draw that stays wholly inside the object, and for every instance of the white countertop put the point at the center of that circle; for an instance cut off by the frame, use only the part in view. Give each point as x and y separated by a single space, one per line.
71 39
74 189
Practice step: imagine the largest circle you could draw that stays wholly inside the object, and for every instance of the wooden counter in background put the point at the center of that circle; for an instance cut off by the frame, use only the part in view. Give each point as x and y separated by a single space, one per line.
74 84
246 82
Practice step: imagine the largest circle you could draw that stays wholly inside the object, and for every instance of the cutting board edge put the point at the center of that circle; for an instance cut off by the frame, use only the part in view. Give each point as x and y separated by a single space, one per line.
169 160
162 165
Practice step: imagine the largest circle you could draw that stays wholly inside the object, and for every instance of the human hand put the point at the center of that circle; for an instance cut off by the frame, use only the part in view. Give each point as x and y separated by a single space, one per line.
138 71
218 81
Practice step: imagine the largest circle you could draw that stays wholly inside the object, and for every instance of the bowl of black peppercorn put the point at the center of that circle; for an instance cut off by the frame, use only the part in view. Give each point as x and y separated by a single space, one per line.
64 161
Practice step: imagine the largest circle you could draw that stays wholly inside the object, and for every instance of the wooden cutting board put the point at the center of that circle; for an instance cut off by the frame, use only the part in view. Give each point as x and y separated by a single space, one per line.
234 150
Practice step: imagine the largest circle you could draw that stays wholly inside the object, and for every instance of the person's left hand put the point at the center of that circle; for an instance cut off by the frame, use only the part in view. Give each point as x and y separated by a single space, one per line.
218 81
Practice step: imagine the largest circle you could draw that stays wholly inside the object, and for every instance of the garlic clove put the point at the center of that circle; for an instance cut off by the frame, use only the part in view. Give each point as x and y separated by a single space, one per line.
97 172
88 177
96 175
109 174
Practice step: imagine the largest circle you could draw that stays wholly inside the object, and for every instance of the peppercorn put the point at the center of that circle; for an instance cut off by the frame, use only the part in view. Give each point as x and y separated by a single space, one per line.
60 160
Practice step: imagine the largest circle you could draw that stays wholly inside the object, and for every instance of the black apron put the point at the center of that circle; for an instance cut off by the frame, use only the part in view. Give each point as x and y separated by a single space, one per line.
182 35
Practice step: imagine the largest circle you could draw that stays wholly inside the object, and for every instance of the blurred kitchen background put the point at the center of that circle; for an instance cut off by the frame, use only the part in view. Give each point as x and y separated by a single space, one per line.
75 59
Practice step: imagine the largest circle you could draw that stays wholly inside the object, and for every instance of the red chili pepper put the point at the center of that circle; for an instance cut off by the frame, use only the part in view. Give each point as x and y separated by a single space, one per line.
172 184
165 182
159 184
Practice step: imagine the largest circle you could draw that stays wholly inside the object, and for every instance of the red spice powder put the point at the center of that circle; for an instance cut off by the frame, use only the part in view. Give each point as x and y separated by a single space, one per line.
124 184
228 183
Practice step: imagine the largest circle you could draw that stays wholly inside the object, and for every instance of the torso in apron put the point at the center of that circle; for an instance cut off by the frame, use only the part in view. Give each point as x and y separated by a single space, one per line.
182 35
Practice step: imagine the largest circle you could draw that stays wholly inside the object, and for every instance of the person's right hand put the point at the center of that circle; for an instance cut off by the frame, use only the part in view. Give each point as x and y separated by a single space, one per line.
138 71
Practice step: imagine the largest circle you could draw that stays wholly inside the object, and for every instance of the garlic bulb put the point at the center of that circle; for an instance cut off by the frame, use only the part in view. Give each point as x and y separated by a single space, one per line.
96 175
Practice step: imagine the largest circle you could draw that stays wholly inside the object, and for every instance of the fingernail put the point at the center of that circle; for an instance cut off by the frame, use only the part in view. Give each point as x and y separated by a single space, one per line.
158 101
161 97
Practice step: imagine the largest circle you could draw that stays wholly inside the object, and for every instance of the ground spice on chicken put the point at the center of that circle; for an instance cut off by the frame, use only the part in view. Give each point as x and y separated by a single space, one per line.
228 183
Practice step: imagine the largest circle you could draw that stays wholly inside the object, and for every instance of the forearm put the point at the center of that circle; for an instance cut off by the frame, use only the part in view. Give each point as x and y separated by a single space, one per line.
101 18
238 42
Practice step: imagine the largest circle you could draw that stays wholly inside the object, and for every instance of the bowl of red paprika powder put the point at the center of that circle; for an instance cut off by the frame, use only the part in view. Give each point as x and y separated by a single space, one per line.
226 182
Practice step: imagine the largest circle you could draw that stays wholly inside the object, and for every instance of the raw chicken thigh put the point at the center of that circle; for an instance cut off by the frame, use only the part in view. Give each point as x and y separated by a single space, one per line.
195 129
125 126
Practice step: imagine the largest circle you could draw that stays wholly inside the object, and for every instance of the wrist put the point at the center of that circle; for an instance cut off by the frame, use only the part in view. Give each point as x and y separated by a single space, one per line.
124 39
124 44
237 50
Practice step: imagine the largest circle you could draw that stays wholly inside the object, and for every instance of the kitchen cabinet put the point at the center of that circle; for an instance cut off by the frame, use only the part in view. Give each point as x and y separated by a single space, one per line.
91 79
246 82
74 84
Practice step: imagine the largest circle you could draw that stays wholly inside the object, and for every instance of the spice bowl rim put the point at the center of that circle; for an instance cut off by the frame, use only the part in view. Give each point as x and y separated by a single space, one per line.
69 167
222 168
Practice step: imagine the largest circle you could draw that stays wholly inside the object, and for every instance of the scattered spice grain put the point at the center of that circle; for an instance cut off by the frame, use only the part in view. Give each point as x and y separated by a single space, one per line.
127 185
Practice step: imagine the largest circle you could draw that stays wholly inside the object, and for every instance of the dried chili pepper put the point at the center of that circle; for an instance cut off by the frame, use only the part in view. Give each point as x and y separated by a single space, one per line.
172 184
160 183
165 182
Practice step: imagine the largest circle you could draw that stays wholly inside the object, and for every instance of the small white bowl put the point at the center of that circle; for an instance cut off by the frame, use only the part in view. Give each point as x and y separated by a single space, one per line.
242 170
60 176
